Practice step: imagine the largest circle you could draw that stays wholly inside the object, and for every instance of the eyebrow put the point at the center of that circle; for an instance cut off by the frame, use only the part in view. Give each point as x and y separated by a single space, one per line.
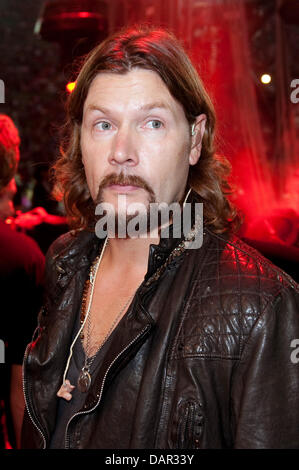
158 104
145 107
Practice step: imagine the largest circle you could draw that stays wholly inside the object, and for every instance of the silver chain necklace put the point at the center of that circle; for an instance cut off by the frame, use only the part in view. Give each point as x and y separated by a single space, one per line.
84 379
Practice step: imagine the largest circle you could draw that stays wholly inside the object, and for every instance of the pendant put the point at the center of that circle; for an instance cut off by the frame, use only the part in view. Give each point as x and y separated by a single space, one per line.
84 381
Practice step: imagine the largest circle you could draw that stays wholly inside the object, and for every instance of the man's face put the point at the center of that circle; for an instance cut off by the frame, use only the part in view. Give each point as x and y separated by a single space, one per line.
135 140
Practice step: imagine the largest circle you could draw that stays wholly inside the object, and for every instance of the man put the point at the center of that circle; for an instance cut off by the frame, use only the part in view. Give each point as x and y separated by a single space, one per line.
147 341
21 275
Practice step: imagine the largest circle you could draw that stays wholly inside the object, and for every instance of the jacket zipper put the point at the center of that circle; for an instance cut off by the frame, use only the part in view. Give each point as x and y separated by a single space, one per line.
102 386
189 427
27 400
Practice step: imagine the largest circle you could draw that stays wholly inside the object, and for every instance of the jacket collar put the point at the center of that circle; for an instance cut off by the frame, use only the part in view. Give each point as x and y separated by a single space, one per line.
158 254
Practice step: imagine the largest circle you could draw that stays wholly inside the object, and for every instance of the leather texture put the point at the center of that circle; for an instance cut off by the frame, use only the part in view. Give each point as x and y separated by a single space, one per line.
202 359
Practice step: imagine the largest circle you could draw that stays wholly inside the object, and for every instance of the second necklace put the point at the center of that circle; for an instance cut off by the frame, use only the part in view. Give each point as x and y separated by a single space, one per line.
84 379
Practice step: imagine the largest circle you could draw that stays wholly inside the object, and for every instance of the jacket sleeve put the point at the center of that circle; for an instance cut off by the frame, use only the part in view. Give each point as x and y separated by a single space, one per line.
265 386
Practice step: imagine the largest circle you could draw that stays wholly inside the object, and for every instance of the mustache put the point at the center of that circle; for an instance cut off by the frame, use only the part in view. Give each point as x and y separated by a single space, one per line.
122 179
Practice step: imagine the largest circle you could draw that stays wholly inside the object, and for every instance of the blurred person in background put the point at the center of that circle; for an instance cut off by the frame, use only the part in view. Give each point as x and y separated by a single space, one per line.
46 220
21 285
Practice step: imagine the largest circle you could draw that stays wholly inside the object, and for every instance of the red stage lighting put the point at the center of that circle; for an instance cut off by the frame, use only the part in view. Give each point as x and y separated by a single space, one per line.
77 25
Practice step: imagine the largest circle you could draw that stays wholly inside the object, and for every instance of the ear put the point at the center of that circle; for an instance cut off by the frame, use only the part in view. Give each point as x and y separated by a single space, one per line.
196 138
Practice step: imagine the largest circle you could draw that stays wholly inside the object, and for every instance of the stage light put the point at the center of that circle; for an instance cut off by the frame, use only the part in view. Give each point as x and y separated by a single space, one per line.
64 20
76 25
84 14
70 86
266 78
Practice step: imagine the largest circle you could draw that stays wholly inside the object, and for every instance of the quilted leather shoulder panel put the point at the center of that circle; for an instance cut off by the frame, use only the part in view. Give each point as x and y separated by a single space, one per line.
229 294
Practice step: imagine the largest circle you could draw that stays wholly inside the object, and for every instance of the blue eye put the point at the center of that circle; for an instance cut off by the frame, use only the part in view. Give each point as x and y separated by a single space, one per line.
156 124
103 125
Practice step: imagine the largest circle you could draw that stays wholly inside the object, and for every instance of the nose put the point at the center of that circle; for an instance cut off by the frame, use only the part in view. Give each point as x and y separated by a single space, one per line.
124 148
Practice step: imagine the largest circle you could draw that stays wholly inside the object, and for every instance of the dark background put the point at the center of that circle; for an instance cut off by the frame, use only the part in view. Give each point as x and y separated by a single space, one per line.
35 72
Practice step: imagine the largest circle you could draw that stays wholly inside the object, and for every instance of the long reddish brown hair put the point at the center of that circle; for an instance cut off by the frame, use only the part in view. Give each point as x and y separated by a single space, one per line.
159 51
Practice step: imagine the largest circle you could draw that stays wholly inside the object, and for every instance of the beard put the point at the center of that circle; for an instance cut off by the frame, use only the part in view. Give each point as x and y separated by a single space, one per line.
121 219
136 219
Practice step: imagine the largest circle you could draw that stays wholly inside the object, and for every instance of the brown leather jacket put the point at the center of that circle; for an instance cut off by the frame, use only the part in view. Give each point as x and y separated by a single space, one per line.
202 360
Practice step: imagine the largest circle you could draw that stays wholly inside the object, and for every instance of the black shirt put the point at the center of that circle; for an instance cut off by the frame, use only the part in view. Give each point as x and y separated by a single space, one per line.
66 409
